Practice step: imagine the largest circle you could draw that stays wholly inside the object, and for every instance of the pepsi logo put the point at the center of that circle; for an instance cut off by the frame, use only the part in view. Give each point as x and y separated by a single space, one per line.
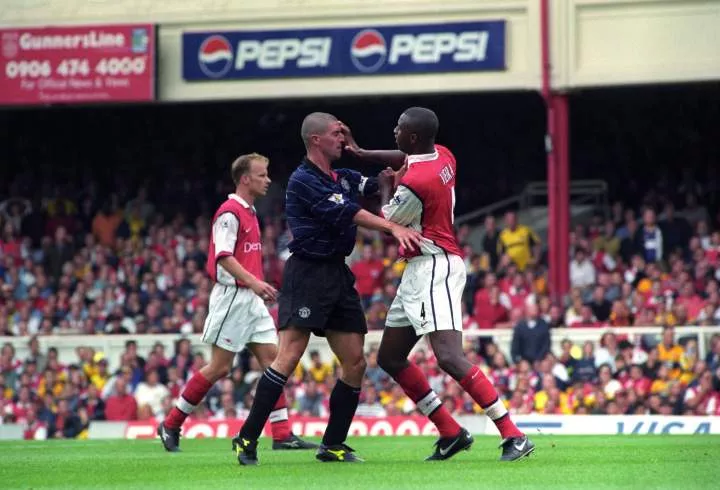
215 56
368 50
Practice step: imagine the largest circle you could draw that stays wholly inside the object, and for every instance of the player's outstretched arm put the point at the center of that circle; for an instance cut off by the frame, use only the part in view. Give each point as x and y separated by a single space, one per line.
408 238
392 158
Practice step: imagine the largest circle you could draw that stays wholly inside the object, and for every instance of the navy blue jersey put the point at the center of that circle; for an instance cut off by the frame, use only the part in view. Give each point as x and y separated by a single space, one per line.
320 209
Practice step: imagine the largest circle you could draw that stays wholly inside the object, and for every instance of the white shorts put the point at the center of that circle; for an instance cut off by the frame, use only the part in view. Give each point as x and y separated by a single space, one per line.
236 317
430 294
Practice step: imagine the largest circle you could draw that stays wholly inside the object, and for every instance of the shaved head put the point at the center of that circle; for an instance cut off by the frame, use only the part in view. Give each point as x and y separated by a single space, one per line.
423 122
416 130
316 123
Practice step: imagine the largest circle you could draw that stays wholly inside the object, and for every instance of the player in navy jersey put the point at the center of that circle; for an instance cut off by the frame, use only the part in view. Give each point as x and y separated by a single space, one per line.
429 297
318 289
237 315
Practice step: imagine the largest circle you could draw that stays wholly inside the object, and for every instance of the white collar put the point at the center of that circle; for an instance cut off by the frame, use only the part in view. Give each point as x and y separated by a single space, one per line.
240 200
426 157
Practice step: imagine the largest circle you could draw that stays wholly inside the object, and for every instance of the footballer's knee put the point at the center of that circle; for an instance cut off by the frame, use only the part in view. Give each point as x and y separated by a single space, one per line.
354 370
391 364
453 363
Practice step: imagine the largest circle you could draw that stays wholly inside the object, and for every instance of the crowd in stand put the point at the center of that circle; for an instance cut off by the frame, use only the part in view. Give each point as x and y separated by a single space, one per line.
71 265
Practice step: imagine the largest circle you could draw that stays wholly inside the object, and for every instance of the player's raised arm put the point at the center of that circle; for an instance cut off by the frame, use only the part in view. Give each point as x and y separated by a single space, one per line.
392 158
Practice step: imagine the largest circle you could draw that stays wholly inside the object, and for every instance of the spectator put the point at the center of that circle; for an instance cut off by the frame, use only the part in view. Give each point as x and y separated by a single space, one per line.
649 238
140 204
150 392
600 306
519 242
13 210
368 273
676 230
582 271
713 357
374 373
311 400
608 242
319 371
370 406
106 223
608 351
670 353
694 212
531 337
584 369
92 403
35 354
692 302
65 424
58 253
491 242
586 320
121 406
489 312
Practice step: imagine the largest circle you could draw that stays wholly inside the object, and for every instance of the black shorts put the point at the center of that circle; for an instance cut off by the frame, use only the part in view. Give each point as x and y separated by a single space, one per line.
318 296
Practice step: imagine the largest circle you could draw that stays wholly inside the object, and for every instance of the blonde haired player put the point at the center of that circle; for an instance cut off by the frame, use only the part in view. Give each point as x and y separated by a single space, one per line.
237 315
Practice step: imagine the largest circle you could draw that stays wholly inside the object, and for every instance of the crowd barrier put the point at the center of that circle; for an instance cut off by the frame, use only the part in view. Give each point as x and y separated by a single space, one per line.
113 345
534 425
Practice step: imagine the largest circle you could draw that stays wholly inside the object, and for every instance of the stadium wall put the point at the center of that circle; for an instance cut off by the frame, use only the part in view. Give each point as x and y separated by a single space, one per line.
556 425
113 345
594 42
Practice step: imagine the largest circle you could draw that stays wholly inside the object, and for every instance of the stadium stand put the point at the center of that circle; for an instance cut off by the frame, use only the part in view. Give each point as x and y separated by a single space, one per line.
70 266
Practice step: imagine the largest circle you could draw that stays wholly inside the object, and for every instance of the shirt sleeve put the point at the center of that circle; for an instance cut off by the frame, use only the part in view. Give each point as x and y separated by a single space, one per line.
225 232
368 185
404 207
364 186
329 207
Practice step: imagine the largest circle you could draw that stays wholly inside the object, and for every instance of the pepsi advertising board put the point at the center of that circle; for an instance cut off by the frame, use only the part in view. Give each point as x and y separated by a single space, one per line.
426 48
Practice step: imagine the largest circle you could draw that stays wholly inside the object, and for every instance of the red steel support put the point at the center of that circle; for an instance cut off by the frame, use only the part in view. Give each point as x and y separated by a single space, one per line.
558 167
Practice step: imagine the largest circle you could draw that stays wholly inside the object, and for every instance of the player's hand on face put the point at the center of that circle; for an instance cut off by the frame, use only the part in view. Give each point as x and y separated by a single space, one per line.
407 237
350 145
265 291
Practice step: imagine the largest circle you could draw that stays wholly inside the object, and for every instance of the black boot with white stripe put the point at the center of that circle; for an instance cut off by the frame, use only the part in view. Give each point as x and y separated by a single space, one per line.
447 447
170 438
514 448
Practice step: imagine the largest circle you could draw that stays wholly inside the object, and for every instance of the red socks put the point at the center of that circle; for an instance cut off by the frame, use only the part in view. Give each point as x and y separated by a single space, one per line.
279 423
192 395
195 391
483 392
416 386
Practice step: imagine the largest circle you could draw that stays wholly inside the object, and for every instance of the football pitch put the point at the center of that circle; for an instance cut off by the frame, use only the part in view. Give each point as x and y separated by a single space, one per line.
589 462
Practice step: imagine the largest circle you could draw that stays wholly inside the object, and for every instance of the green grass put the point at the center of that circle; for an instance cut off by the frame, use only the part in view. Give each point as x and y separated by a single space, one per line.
672 462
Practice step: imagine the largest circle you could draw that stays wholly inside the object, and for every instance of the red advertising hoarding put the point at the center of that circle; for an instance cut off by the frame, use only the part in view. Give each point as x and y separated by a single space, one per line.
61 65
302 426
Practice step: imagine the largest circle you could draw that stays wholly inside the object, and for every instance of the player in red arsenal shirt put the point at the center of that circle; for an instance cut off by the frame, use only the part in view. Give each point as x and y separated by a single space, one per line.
428 301
237 315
